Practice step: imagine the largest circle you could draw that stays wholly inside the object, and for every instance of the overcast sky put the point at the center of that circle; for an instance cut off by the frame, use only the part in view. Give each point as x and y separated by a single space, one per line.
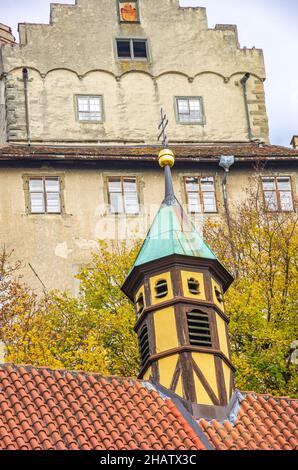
267 24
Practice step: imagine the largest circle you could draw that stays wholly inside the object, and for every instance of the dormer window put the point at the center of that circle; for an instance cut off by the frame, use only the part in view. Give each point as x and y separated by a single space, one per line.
161 289
140 304
132 49
193 286
218 295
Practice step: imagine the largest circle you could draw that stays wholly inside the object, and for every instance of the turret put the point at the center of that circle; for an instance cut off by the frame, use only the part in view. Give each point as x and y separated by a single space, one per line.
177 285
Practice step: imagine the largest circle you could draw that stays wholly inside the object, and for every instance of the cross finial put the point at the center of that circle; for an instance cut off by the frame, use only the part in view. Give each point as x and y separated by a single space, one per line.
162 128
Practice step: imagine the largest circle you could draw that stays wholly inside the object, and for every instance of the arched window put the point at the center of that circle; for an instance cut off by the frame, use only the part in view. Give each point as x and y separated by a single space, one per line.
193 286
144 345
140 304
199 329
218 295
161 289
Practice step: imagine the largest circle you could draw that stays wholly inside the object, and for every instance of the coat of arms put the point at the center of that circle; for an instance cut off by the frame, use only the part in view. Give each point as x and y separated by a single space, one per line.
128 12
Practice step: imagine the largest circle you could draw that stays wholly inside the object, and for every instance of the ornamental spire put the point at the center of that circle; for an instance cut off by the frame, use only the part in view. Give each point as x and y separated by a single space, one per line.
166 160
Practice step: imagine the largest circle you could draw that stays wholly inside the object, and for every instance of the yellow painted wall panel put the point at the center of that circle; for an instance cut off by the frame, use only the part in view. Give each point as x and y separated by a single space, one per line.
179 388
215 285
202 395
154 280
221 328
206 364
165 329
147 374
185 275
167 367
227 374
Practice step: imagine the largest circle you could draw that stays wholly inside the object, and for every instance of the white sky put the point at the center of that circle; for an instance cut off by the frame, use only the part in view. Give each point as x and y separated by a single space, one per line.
267 24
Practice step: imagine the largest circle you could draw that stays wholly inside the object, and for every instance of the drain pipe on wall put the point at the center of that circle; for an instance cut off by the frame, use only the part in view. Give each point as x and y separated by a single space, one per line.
243 82
226 161
25 80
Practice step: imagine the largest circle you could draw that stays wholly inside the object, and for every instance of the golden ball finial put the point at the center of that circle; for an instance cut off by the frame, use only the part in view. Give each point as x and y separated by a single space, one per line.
166 157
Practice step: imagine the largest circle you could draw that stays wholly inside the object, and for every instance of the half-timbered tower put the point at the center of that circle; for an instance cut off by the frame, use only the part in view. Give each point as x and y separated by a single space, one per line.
178 285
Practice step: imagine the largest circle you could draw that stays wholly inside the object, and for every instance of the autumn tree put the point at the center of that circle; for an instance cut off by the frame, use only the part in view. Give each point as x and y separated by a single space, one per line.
260 248
93 331
21 314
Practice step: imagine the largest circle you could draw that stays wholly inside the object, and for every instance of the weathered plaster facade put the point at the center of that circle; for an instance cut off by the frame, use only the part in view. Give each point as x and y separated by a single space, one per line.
57 245
76 54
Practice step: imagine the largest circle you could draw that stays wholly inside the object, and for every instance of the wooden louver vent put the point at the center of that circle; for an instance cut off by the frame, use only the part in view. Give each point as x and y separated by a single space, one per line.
144 345
199 329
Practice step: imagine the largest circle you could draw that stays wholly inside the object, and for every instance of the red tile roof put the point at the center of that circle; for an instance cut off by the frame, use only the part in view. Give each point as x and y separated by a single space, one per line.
44 409
263 422
147 153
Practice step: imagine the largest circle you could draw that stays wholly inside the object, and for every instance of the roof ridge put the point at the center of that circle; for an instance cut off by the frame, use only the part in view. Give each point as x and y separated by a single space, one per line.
269 395
5 365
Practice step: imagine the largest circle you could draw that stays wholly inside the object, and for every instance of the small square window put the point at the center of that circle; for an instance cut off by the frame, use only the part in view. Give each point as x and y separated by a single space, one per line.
189 110
123 49
89 108
44 195
140 49
123 195
277 191
132 49
200 193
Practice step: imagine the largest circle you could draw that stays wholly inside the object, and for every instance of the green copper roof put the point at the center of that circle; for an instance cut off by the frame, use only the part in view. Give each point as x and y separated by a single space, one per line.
172 233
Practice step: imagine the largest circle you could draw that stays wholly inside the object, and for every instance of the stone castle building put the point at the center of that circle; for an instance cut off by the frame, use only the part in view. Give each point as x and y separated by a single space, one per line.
80 101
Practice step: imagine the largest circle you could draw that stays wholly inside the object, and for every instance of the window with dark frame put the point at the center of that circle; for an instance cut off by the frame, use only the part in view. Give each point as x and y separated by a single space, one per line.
193 286
89 108
277 191
199 329
123 195
161 289
44 195
218 295
200 192
190 110
132 49
140 304
144 345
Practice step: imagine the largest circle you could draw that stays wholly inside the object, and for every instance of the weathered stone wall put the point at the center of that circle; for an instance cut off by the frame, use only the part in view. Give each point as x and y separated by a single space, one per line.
75 54
57 245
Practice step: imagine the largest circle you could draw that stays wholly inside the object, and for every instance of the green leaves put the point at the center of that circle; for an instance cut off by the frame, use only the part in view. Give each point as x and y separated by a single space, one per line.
93 332
261 250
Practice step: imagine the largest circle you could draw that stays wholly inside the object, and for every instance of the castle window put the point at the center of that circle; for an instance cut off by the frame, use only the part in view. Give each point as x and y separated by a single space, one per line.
140 304
189 110
132 49
277 191
161 289
193 286
218 295
44 195
199 329
200 192
123 195
89 108
144 345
